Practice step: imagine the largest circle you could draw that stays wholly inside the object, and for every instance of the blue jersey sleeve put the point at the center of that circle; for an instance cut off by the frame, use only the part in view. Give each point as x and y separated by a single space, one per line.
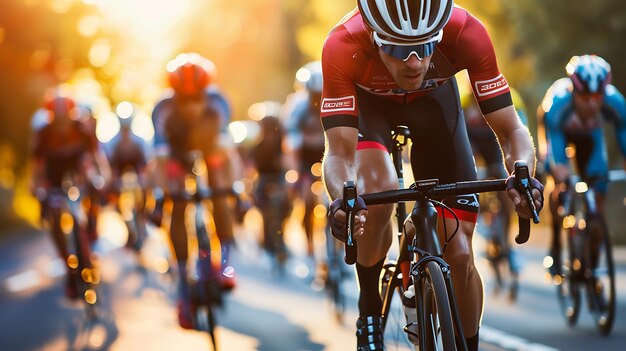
615 111
555 107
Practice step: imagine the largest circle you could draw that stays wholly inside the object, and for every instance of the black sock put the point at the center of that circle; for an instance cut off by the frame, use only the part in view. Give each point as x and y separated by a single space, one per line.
370 303
472 343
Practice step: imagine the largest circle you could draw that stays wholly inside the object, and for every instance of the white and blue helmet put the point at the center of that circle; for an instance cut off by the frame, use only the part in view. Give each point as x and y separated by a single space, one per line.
407 20
589 73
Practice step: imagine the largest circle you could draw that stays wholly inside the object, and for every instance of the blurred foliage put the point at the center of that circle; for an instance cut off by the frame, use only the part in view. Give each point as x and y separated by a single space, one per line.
118 48
536 38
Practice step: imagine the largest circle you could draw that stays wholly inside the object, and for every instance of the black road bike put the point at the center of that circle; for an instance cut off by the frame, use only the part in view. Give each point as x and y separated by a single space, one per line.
420 262
206 292
584 258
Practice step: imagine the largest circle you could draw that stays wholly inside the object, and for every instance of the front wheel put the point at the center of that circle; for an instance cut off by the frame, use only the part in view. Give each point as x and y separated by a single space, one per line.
437 332
601 275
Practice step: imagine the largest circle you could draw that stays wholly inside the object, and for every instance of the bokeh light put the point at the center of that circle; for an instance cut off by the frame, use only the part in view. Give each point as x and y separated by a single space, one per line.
124 109
107 128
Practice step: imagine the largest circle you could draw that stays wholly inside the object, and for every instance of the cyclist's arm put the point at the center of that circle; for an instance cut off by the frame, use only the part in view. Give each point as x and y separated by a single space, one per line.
516 144
616 108
339 160
161 147
556 158
492 93
513 136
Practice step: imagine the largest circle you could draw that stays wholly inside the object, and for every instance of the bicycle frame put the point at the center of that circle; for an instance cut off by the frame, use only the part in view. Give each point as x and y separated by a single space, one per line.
425 247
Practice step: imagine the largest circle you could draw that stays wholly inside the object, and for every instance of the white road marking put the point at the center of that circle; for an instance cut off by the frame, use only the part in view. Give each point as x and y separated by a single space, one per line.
509 341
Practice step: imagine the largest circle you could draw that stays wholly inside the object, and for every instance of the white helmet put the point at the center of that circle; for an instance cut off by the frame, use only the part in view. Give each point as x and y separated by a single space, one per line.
407 20
310 75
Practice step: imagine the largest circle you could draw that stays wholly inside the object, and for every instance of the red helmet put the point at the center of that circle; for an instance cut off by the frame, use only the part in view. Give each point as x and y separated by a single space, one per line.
60 105
190 73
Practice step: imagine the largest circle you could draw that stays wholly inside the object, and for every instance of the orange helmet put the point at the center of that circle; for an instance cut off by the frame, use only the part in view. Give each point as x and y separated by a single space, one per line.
190 73
59 105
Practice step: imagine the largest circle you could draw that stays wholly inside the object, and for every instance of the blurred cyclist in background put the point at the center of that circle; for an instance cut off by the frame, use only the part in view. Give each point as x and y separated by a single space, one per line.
306 141
485 146
128 157
271 194
195 117
64 146
574 111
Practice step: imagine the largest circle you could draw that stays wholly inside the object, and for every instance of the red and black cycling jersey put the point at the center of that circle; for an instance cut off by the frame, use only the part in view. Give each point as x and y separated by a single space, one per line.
61 148
350 60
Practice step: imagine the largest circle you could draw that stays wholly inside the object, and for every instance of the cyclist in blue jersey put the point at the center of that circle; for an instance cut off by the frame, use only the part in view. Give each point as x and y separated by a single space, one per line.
574 111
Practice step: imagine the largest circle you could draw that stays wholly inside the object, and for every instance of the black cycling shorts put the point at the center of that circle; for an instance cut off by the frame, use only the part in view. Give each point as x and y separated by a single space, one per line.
440 145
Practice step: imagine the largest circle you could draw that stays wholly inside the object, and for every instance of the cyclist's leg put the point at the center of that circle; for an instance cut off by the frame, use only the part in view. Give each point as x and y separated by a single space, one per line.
496 169
375 172
220 177
178 235
60 243
468 287
439 123
555 244
308 219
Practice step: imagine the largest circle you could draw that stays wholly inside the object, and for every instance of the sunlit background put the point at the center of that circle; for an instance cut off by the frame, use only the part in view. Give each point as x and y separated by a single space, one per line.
111 54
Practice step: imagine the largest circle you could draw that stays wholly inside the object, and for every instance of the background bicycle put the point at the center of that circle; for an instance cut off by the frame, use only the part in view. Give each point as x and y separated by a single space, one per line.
583 263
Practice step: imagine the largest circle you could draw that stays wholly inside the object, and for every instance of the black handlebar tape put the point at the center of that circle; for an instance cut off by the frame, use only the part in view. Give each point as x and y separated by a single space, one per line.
349 200
524 231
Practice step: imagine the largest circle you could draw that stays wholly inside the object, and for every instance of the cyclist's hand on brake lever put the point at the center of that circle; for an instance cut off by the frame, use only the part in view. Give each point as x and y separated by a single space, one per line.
519 200
337 218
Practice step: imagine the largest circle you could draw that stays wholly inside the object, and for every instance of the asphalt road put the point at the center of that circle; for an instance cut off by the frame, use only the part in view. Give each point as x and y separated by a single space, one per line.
266 312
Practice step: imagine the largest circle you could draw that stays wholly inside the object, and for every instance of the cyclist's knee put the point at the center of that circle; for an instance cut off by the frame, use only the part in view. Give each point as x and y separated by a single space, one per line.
459 256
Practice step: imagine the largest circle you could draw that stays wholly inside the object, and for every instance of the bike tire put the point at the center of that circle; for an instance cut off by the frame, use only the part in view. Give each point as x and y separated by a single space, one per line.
437 319
601 282
212 323
567 282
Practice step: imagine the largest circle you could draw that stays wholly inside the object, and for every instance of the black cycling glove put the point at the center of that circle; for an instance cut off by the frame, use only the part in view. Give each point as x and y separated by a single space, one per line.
534 184
337 227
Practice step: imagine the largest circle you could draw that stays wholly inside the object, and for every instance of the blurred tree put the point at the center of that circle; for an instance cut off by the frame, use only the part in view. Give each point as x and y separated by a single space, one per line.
534 39
39 47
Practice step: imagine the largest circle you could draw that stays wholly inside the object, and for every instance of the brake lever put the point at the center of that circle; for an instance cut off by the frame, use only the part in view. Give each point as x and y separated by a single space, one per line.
522 184
349 201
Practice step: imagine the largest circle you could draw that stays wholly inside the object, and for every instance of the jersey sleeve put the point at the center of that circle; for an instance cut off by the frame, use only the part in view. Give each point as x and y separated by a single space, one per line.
339 105
617 108
552 109
476 53
161 146
217 101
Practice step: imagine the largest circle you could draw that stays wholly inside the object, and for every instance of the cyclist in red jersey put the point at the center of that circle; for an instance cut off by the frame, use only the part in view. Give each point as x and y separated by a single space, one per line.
195 117
381 70
64 145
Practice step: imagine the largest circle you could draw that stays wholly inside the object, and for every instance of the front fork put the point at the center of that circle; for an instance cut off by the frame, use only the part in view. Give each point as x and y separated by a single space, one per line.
426 247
